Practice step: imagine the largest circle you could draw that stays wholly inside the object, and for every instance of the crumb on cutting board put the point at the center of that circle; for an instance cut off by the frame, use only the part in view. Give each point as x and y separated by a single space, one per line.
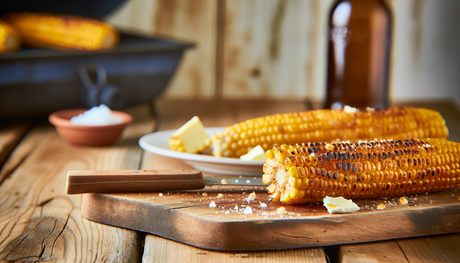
403 200
281 210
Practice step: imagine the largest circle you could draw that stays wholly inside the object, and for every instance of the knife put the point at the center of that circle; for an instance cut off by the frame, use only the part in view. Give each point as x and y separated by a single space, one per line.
118 181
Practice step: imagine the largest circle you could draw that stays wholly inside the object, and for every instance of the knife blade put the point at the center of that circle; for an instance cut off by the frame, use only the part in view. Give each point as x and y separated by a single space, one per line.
118 181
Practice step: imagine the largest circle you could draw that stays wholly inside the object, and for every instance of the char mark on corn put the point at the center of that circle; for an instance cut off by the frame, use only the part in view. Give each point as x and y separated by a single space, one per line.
308 172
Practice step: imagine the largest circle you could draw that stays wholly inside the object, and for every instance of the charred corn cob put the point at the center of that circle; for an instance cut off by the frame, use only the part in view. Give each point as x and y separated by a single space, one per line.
327 126
308 172
63 32
9 38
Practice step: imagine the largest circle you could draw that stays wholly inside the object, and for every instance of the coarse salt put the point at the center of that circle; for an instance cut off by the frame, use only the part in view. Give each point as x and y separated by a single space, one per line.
96 116
248 210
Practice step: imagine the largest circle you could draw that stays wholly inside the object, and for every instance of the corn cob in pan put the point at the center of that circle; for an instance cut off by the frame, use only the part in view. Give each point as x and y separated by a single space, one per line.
9 38
308 172
62 31
327 126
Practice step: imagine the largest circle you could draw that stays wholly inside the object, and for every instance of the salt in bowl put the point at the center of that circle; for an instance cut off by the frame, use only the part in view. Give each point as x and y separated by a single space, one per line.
85 135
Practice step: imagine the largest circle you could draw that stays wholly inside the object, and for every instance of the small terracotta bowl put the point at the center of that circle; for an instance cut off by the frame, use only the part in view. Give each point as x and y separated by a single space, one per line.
88 135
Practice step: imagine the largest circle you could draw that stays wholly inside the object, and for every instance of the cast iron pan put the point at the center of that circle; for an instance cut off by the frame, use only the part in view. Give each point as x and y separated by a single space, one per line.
87 8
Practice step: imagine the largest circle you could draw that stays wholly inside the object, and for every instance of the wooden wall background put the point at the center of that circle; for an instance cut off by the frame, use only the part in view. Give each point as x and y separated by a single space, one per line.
277 48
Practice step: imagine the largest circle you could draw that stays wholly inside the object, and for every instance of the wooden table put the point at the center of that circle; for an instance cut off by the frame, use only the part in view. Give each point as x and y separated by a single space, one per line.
39 222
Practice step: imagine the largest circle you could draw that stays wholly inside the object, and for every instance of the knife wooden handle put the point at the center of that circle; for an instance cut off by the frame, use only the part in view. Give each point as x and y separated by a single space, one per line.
118 181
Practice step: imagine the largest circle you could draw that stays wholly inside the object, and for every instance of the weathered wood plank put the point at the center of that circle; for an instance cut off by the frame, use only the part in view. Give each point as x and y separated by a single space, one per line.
386 251
158 249
442 248
220 113
191 220
40 222
274 48
10 136
191 21
436 248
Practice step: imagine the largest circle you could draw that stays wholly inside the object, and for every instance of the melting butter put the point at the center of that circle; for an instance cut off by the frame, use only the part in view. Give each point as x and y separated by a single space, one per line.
255 154
336 205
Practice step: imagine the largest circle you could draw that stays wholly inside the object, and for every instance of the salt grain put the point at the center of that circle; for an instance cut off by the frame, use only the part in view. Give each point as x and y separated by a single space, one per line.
96 116
248 210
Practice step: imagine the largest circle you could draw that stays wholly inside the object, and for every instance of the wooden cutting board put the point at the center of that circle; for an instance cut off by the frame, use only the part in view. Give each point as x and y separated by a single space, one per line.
187 217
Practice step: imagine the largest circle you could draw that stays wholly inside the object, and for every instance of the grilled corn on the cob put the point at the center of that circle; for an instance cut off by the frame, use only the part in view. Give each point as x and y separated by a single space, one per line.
308 172
9 38
62 31
327 126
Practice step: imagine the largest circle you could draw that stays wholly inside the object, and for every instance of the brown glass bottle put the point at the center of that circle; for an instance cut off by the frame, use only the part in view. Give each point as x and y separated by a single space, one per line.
358 53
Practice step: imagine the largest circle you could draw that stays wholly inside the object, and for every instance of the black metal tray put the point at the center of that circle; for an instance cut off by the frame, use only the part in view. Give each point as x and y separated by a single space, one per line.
39 81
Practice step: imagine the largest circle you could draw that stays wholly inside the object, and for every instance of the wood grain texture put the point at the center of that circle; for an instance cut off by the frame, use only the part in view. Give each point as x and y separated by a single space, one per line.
190 21
436 248
424 52
158 249
173 113
194 21
386 251
10 136
271 48
274 48
39 222
191 219
441 248
118 181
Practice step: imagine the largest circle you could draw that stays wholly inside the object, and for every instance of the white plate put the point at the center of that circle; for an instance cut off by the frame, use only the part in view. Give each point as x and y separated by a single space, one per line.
157 143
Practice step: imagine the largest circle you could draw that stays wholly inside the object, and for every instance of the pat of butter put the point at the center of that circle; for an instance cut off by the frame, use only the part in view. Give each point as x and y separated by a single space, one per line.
255 154
337 205
191 137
